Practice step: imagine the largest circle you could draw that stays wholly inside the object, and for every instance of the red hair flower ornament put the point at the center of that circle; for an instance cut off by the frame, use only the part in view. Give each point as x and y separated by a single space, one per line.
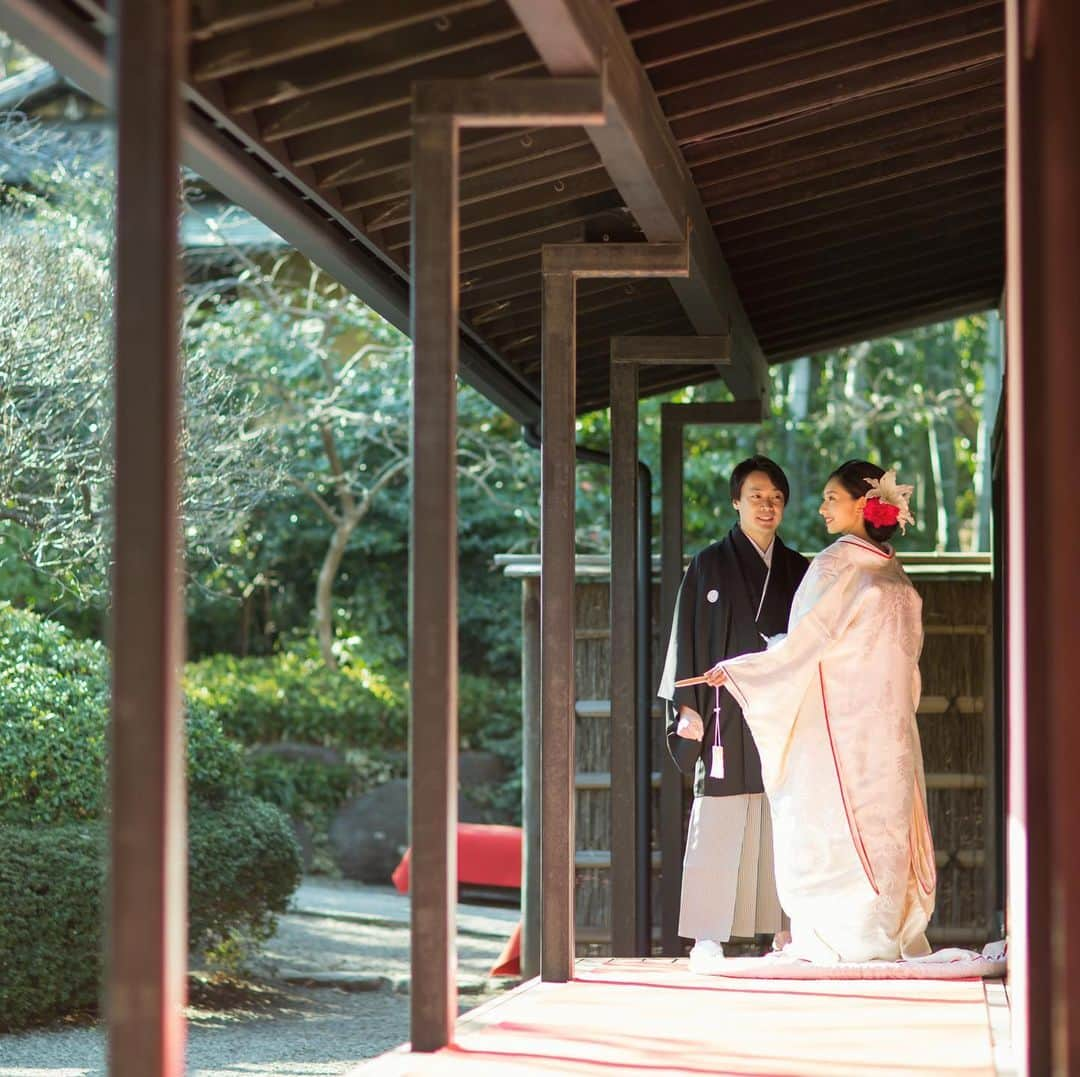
887 502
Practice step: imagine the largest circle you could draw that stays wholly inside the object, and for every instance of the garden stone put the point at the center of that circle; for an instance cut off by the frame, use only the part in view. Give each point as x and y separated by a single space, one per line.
369 833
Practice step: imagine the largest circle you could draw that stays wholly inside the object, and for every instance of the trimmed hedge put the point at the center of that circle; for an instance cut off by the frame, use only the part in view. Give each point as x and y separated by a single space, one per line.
243 865
291 696
243 858
54 701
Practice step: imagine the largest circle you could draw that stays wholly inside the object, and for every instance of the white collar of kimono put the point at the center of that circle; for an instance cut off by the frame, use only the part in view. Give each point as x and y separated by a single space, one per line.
766 554
887 552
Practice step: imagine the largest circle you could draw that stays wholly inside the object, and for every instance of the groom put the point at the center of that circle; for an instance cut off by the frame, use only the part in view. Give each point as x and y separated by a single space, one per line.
735 593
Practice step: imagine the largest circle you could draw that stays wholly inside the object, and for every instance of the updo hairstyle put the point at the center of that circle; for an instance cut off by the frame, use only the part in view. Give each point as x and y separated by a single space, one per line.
852 476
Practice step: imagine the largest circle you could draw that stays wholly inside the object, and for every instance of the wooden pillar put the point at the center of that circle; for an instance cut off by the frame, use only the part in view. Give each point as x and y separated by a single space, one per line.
629 918
433 662
563 264
147 930
557 490
672 782
1043 386
530 776
674 418
440 110
631 698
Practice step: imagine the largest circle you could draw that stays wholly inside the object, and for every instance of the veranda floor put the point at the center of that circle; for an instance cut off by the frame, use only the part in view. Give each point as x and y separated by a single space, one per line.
654 1017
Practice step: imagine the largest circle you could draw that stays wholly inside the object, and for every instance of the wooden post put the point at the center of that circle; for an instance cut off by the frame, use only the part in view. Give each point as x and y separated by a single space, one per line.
563 264
147 931
1043 319
627 915
433 582
530 776
440 110
631 786
674 418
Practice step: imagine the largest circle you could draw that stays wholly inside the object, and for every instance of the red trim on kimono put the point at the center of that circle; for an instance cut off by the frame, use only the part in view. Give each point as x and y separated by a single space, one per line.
853 826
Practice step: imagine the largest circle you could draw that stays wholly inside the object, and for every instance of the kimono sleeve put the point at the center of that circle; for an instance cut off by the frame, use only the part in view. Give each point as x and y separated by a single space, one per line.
682 661
770 685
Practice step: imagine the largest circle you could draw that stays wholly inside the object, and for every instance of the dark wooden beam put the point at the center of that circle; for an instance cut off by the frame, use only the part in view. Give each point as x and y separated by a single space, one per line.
490 190
146 978
857 177
667 351
368 93
929 313
406 48
211 17
865 322
878 132
829 124
689 38
709 114
879 216
492 155
888 189
576 37
983 238
311 31
877 292
855 245
527 210
863 147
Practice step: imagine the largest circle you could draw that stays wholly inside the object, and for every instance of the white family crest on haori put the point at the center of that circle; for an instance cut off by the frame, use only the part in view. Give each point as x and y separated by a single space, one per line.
890 492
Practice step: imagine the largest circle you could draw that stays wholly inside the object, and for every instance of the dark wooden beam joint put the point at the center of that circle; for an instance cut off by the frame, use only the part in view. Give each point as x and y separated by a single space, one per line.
636 145
592 260
559 102
672 351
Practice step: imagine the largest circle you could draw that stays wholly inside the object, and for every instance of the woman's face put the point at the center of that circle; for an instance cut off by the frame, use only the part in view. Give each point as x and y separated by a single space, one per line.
841 512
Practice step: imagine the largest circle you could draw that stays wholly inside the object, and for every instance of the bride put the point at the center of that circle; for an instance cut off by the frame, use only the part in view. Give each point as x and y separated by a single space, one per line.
832 708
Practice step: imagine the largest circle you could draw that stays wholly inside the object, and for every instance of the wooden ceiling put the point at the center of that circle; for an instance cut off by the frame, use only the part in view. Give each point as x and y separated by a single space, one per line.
848 155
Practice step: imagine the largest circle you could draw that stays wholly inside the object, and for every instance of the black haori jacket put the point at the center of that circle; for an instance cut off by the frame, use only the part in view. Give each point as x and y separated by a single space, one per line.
715 618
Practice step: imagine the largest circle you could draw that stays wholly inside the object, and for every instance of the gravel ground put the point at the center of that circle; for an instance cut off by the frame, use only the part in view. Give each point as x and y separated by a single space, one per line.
270 1023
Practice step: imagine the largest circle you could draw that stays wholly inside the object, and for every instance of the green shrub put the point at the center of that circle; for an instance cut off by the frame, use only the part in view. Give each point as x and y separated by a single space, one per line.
51 885
54 703
303 788
243 864
296 697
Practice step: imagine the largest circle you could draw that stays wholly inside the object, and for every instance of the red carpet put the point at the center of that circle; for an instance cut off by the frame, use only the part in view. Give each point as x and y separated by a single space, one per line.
653 1017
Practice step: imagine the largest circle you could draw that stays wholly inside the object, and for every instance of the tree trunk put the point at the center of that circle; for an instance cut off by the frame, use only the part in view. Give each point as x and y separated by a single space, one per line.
324 589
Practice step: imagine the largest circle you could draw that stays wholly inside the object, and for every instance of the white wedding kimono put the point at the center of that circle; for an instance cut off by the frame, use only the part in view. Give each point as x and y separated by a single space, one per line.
832 707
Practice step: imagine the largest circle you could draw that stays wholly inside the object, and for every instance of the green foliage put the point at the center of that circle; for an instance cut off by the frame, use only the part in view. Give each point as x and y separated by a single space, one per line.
303 788
243 864
292 696
51 886
54 698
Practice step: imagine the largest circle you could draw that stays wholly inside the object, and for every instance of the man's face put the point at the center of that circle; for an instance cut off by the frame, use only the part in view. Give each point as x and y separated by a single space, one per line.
760 505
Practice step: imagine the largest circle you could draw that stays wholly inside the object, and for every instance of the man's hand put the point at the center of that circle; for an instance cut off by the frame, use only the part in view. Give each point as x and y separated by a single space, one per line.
690 724
715 677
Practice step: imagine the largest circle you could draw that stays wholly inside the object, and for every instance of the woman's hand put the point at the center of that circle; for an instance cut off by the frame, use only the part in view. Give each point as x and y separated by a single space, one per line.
715 677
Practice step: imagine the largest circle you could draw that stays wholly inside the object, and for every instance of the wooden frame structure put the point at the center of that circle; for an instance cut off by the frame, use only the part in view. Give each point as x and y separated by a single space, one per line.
563 266
440 111
789 135
674 419
147 939
630 766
